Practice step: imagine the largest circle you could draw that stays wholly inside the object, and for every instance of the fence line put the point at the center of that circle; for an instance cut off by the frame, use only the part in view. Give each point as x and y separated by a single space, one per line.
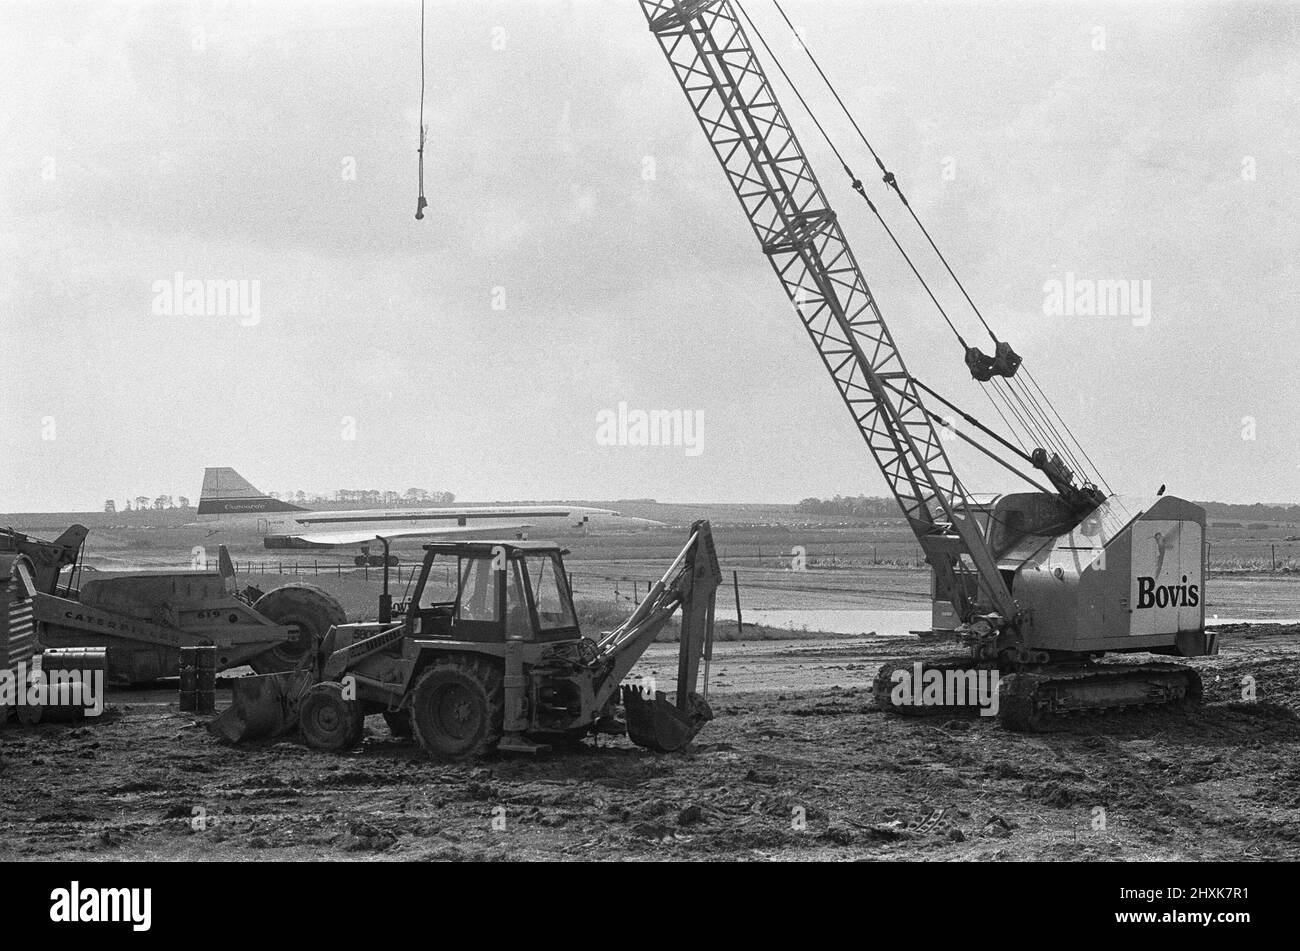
629 588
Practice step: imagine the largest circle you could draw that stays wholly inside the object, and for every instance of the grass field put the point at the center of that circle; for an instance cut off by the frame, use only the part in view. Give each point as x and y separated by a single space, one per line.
847 564
748 536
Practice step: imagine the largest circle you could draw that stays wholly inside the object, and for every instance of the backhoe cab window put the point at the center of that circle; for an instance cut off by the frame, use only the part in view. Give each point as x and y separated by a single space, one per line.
440 586
518 623
478 598
551 590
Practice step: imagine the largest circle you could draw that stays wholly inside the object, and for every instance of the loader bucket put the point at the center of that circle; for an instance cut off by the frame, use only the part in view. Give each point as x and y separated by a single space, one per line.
659 725
263 706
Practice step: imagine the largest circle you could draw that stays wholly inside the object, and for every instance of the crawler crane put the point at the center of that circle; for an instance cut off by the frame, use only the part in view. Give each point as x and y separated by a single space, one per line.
1043 582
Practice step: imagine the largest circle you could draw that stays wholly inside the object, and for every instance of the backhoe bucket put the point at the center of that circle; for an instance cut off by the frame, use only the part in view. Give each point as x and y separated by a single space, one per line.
658 725
263 706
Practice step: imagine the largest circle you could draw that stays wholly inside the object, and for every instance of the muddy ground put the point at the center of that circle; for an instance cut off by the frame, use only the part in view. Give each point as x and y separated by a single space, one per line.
798 765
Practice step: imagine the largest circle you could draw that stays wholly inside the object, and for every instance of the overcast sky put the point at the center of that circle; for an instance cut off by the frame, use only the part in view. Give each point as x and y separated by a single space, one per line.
274 142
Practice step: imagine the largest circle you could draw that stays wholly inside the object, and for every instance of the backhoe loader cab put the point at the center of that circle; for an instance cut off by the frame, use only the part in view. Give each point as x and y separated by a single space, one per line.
488 592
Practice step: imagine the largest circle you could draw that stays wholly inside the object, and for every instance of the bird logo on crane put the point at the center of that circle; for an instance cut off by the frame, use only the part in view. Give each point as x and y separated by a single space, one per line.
1164 544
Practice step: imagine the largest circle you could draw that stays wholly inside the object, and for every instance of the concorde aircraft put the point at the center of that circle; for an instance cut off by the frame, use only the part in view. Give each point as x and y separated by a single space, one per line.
230 502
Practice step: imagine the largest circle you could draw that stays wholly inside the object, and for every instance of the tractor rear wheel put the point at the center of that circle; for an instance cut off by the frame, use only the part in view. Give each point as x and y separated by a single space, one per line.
459 707
308 611
328 720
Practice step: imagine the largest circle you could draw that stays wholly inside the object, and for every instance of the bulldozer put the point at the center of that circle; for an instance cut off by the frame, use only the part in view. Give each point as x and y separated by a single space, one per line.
144 618
487 654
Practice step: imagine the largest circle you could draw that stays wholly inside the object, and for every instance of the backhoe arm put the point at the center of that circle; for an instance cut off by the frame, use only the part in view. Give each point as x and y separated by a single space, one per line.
691 584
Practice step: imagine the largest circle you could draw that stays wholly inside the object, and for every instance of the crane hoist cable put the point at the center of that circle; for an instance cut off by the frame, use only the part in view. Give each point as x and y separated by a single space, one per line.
948 424
858 187
857 183
982 367
1043 426
991 393
887 176
891 181
1001 415
1005 361
1100 478
421 203
1031 417
1020 413
1028 419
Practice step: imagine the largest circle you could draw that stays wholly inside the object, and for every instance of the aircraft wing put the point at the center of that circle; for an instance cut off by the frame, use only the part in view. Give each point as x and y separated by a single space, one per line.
353 539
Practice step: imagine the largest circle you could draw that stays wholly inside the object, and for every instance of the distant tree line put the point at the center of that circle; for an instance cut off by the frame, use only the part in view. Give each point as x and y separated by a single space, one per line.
1256 510
372 497
142 503
863 506
858 506
388 497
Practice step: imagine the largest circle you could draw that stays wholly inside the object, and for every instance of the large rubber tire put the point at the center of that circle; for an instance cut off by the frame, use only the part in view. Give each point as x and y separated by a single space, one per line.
329 722
309 610
458 708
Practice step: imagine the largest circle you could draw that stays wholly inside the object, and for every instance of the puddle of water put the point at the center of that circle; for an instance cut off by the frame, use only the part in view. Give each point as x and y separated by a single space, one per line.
837 620
1211 621
884 623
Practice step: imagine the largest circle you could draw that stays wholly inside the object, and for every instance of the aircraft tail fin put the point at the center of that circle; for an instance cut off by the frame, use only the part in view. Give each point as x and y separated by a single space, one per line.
72 538
226 492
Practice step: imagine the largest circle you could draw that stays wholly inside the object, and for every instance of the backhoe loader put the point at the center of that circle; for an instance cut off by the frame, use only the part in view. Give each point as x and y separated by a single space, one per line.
489 656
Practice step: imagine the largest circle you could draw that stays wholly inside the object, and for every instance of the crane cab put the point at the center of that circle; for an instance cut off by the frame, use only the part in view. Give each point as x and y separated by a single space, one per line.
1128 576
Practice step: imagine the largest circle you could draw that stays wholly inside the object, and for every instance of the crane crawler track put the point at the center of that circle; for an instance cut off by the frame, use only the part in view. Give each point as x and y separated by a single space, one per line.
1039 700
886 682
1036 701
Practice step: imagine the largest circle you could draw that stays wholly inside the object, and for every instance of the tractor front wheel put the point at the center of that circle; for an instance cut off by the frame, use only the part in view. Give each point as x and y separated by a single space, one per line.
458 708
328 720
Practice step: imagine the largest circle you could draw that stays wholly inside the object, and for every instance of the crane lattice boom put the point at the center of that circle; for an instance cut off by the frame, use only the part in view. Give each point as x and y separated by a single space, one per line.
724 81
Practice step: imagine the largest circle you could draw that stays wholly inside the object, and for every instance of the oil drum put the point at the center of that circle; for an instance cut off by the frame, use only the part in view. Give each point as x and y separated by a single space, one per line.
188 698
205 680
70 673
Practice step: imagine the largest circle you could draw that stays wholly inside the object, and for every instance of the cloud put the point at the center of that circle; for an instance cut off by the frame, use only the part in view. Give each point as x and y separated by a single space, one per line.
217 140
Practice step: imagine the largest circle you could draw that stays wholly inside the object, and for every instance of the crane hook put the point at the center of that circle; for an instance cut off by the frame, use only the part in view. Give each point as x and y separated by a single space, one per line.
421 203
